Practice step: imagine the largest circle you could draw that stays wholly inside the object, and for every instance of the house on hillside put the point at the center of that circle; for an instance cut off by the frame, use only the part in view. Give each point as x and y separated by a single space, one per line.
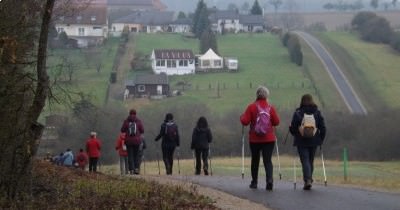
210 61
181 25
225 20
252 23
88 27
173 61
135 5
147 22
149 85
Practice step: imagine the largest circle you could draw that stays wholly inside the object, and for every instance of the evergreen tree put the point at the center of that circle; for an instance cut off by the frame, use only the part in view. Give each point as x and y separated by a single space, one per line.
256 9
181 15
208 40
203 23
197 16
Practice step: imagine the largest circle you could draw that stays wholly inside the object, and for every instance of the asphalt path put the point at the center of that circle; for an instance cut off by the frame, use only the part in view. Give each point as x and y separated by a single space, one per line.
342 84
284 196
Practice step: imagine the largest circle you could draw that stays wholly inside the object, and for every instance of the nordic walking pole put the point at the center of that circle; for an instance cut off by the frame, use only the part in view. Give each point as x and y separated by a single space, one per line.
158 163
209 157
287 134
279 162
323 165
294 172
179 167
144 165
194 161
242 152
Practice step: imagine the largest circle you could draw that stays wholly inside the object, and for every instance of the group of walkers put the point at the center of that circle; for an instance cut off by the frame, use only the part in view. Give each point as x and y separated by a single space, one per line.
307 127
82 158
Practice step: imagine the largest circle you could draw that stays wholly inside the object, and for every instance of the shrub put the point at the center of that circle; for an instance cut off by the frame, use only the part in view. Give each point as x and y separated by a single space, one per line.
395 42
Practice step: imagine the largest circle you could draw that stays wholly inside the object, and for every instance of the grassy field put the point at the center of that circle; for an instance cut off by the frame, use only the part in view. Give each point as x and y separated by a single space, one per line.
85 77
372 68
262 61
384 176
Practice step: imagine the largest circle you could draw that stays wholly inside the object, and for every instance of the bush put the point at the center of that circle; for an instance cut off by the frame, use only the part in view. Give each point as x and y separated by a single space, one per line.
285 39
294 48
395 42
361 18
377 30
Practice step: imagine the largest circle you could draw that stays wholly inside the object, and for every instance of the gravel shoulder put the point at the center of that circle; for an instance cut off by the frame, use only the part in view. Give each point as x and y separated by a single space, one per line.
222 200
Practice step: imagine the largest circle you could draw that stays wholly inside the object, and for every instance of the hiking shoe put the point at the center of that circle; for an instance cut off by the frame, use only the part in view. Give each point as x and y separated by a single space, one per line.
269 186
307 185
253 185
206 172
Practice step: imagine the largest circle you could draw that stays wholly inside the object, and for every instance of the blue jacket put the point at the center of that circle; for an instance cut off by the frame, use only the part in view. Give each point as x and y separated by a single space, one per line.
68 158
319 137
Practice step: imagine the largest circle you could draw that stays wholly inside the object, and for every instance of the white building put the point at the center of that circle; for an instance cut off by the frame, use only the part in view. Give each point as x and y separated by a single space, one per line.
210 61
87 27
173 61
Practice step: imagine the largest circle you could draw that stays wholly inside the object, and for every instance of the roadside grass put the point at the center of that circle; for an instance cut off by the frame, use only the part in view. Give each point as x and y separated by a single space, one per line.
85 78
58 187
382 176
372 68
262 61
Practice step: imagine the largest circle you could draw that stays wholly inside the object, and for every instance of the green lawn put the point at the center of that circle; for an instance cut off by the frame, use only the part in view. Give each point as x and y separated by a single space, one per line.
262 61
372 68
85 77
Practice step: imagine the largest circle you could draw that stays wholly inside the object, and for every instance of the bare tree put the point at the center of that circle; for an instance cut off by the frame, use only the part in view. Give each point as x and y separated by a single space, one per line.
24 89
276 4
292 19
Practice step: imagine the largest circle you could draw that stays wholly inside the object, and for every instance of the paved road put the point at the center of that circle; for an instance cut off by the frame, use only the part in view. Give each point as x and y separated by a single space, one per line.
285 197
345 89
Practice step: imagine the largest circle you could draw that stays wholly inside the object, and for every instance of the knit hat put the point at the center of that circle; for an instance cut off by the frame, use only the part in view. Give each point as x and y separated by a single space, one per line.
93 133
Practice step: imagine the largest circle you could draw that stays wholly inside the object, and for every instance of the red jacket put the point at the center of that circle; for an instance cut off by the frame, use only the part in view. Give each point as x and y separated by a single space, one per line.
120 145
82 159
93 147
250 116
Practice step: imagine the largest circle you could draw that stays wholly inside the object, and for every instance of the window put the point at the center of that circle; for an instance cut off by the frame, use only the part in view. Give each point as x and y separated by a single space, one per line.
81 31
160 63
141 88
206 63
183 63
171 63
217 63
93 18
59 30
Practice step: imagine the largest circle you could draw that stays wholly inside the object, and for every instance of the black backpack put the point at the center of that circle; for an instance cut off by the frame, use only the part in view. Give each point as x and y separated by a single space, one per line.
171 130
132 128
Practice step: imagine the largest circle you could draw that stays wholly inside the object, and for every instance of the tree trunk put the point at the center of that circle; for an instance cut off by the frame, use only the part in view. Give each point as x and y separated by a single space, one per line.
22 101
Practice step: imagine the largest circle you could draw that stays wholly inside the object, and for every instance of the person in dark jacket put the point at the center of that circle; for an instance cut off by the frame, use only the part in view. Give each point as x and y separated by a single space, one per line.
265 143
170 140
134 130
306 146
201 138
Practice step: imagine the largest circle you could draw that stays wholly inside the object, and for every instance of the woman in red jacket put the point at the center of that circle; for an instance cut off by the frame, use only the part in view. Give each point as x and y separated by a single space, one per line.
93 147
261 135
123 154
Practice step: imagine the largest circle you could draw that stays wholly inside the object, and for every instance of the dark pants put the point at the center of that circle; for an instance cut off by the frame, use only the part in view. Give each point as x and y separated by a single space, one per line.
168 158
93 164
307 161
133 158
201 154
266 150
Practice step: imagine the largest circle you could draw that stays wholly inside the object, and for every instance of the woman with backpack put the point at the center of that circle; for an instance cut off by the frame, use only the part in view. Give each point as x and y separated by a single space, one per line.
308 129
201 138
262 118
170 140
